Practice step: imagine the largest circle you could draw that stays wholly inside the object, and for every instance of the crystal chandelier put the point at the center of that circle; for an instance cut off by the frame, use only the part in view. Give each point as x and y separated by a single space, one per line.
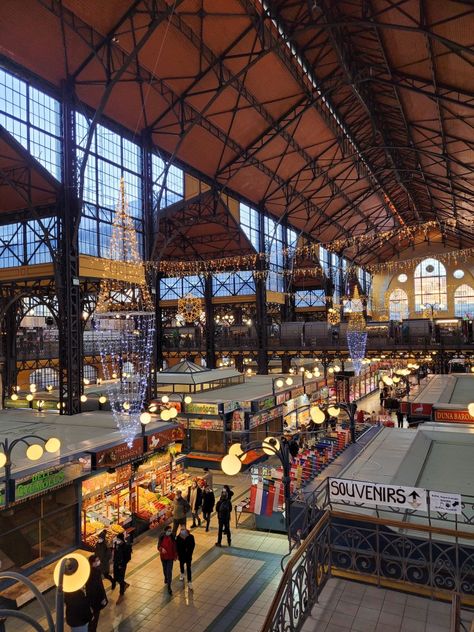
125 324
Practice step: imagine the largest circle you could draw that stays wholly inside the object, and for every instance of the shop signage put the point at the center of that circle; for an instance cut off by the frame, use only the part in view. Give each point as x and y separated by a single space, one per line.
282 397
228 407
198 408
246 405
263 404
257 420
123 474
206 424
238 421
298 402
118 454
160 439
162 406
363 493
296 392
420 410
454 416
39 482
444 502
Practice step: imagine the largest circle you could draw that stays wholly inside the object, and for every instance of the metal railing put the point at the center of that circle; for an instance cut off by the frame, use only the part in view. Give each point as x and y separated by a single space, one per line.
388 553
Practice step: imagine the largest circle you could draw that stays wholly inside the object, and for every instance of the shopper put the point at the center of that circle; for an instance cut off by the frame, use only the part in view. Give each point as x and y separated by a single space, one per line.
180 510
95 592
185 544
168 554
208 502
223 509
122 553
195 502
373 418
104 553
399 418
78 610
228 491
207 478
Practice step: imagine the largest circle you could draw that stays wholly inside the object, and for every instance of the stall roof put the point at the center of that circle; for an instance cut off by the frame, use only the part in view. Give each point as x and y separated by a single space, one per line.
196 377
449 390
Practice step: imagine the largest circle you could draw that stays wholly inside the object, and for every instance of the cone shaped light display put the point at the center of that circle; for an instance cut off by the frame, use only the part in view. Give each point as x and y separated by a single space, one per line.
125 324
356 333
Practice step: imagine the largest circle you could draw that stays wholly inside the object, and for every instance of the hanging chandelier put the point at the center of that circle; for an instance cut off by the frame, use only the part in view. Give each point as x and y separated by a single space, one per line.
125 324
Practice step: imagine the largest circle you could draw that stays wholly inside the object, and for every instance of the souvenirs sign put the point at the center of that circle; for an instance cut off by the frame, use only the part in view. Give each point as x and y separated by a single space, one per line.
375 494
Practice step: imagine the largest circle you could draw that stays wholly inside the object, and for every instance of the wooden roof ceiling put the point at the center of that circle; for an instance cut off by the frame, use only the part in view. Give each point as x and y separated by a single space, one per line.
345 117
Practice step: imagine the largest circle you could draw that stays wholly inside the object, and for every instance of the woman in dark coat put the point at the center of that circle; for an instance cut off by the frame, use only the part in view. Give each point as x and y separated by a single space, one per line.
78 610
95 592
104 553
208 502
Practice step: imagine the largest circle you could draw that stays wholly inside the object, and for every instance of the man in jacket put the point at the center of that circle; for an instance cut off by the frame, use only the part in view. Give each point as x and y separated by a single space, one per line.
104 554
223 509
195 502
208 501
168 554
122 556
180 510
95 592
207 478
78 610
185 544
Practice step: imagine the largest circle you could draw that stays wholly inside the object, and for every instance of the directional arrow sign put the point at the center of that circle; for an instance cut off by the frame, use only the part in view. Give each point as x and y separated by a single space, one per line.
445 502
376 494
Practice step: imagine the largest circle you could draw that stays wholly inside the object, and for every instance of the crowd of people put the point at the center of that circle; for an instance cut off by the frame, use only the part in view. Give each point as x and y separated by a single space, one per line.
176 543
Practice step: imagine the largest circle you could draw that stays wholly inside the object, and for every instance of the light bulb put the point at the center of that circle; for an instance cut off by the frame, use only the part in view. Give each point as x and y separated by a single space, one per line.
279 383
86 381
52 445
165 399
33 388
470 409
75 580
165 415
102 399
188 399
317 415
289 381
3 459
235 449
14 397
49 388
334 411
145 418
270 445
231 465
34 452
83 398
308 375
126 406
173 412
29 397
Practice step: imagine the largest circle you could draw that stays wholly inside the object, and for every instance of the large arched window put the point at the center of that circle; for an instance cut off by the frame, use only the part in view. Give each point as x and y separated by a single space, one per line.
398 305
464 301
430 284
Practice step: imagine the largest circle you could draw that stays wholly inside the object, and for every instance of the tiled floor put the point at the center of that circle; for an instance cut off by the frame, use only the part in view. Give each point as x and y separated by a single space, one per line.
233 587
350 607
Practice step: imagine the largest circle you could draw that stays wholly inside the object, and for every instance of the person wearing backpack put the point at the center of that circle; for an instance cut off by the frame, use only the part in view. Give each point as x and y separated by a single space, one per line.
223 510
122 556
168 554
180 511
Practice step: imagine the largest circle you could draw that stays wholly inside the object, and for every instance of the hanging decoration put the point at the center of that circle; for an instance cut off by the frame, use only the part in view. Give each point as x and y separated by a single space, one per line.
189 309
356 332
450 257
334 315
125 324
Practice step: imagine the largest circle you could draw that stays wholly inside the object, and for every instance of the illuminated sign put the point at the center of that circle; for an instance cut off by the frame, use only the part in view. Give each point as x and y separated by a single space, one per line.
198 408
453 416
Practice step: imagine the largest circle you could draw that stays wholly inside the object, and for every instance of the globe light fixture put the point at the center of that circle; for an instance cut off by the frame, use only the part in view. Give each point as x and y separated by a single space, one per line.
153 408
231 465
289 381
126 406
34 452
3 459
173 412
86 381
29 397
102 399
270 445
165 415
470 409
279 383
334 411
317 415
396 379
145 418
49 388
188 399
235 449
33 388
76 572
165 399
386 379
308 375
14 397
83 399
52 445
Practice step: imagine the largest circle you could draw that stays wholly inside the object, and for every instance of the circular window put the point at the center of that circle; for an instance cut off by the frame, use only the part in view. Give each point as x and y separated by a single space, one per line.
402 278
458 274
430 268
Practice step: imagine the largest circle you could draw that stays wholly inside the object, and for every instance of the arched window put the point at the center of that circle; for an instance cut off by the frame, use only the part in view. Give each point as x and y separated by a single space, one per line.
464 301
430 284
398 305
44 377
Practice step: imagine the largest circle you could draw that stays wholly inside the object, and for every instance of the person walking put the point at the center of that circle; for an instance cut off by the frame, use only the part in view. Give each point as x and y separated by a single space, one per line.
195 502
122 554
180 510
185 544
399 418
207 478
104 553
168 554
78 610
208 502
95 592
223 509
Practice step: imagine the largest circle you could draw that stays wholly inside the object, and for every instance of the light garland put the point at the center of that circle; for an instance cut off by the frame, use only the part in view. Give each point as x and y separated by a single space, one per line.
124 311
356 332
453 256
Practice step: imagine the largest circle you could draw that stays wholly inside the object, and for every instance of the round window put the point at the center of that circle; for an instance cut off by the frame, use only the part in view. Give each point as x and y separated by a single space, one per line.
430 268
402 278
458 274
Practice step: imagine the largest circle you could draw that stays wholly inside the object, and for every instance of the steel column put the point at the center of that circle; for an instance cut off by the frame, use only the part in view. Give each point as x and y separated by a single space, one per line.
210 329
